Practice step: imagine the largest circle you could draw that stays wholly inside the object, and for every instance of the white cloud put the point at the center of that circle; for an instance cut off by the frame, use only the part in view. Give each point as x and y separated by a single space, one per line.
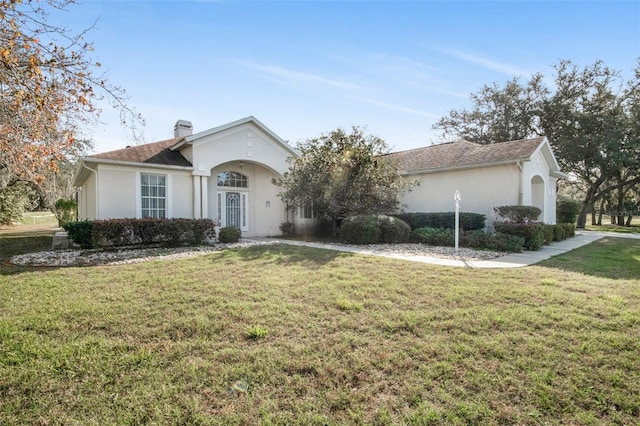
486 63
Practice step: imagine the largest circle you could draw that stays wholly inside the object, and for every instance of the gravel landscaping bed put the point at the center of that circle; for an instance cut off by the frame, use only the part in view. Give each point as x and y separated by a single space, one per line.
79 257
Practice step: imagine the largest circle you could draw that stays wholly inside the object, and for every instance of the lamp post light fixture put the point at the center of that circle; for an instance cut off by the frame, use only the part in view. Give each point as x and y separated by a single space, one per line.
456 198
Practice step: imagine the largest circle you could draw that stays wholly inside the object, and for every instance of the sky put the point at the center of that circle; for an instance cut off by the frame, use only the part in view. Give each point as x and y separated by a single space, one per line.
305 68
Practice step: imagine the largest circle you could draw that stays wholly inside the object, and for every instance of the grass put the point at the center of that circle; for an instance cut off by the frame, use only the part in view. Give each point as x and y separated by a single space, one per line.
351 340
633 229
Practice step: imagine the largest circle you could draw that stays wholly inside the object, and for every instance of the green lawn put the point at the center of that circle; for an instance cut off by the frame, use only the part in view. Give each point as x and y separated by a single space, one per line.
290 335
633 229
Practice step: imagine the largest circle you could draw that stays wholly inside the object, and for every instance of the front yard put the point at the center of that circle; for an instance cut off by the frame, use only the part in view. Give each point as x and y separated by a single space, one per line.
291 335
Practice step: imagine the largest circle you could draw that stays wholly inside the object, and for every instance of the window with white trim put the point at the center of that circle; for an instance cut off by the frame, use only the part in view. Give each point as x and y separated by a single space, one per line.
153 190
306 212
232 180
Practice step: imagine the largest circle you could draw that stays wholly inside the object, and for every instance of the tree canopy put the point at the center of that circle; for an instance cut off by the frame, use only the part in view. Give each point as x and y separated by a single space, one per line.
590 115
49 90
342 174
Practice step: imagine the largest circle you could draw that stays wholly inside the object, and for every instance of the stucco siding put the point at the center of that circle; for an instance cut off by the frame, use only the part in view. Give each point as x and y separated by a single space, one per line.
536 168
117 192
481 190
245 143
181 195
265 210
87 206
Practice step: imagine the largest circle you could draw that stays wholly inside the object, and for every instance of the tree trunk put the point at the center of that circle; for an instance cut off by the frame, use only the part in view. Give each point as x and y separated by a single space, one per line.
582 216
601 212
628 223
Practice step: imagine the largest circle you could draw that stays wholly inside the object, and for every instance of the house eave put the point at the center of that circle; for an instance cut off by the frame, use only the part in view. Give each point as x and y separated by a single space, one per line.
463 167
90 162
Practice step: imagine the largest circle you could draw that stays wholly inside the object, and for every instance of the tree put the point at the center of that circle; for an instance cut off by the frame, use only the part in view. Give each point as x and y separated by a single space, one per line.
499 113
49 90
591 119
342 174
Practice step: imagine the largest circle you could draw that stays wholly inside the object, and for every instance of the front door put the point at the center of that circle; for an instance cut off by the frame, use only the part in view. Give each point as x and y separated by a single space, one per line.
232 209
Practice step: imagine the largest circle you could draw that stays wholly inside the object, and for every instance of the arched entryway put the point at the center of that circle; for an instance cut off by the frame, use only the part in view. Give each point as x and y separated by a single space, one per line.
537 194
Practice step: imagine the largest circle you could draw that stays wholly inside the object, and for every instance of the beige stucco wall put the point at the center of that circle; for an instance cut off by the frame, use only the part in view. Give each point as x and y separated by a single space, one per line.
265 209
481 190
87 205
245 142
118 189
538 167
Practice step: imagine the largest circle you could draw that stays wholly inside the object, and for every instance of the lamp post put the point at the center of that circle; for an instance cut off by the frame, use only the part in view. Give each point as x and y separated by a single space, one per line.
456 197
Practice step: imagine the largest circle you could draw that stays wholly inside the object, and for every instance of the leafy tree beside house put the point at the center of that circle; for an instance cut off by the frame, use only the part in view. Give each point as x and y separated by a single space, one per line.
342 174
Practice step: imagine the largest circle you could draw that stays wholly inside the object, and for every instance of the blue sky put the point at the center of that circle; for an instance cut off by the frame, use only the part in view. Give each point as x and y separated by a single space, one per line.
306 68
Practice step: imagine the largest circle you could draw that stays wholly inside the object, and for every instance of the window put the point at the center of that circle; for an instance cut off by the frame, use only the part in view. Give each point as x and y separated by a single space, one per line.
154 196
306 212
232 180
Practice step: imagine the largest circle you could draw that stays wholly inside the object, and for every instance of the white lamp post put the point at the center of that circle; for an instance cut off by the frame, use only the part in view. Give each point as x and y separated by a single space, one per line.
456 197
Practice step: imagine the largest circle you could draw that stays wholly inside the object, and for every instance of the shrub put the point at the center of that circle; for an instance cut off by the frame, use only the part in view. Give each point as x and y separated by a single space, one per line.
434 236
229 234
532 232
360 229
558 233
569 229
14 200
567 211
446 220
286 228
124 232
80 233
393 230
65 211
518 214
549 234
492 241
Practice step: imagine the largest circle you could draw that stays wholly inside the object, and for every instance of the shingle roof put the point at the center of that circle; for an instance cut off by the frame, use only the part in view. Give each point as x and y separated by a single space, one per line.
151 153
462 154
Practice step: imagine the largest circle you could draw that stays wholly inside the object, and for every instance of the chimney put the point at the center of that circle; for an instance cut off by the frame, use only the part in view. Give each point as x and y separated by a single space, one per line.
182 128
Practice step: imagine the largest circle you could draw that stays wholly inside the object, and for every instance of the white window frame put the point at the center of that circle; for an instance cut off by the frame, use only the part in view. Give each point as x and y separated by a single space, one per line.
140 210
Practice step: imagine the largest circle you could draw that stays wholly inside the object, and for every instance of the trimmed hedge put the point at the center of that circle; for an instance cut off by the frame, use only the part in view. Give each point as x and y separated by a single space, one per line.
229 234
472 239
372 229
533 233
559 232
125 232
518 214
443 220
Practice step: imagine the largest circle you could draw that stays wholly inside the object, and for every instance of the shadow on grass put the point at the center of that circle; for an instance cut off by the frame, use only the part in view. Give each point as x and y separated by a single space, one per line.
615 258
284 254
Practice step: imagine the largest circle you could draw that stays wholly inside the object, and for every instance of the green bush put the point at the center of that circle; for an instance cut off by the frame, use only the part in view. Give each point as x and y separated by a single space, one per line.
569 229
533 233
14 200
286 228
229 234
393 230
80 233
360 229
558 233
446 220
518 214
567 211
434 236
492 241
549 234
125 232
65 211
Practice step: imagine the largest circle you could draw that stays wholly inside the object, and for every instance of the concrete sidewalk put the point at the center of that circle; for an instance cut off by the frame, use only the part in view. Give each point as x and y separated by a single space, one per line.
515 260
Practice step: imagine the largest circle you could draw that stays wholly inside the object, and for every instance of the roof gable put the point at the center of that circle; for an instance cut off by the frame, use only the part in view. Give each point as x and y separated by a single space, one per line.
464 154
149 153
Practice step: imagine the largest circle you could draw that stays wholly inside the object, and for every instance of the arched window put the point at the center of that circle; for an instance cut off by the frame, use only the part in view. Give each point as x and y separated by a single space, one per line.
232 180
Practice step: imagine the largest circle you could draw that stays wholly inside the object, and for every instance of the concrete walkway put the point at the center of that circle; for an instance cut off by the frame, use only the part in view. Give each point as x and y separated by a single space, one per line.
514 260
